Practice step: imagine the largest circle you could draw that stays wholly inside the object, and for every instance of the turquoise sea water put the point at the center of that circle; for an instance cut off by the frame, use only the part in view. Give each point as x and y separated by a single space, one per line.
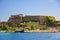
30 36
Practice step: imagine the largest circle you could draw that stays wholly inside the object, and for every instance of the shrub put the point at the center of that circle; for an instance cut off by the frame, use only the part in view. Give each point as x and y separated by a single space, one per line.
34 21
4 27
26 20
32 27
21 28
50 18
44 28
12 28
0 28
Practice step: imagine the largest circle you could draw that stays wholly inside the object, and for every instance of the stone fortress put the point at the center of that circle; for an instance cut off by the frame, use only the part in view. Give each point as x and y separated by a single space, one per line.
39 20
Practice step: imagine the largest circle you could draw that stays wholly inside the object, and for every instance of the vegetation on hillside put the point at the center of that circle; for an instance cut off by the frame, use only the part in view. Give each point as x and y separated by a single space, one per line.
30 21
43 28
50 18
33 27
5 27
50 21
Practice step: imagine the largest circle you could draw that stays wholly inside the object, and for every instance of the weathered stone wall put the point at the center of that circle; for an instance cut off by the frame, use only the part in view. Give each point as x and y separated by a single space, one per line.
41 19
31 18
15 19
21 18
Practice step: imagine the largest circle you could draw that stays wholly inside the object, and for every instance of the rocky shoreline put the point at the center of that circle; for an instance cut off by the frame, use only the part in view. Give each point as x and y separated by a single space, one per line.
31 31
38 30
41 31
49 30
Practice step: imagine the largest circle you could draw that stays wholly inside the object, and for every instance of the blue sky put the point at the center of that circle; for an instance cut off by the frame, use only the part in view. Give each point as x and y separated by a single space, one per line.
29 7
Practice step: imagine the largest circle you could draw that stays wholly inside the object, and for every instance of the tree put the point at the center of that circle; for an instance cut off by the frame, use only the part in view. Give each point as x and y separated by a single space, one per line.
5 27
50 21
21 28
43 28
12 28
34 21
32 27
50 18
26 20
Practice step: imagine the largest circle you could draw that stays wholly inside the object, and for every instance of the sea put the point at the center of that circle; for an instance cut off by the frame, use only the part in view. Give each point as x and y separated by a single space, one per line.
30 36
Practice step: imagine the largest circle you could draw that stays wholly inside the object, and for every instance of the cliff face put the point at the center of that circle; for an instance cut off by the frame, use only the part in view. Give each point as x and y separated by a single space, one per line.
20 18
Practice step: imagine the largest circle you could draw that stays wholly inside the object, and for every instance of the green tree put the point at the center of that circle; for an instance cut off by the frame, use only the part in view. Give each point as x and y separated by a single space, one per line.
5 27
34 21
50 18
32 27
21 28
12 28
44 28
26 20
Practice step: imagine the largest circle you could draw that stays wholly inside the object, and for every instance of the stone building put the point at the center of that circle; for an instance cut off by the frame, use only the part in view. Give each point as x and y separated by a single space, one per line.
40 19
21 18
